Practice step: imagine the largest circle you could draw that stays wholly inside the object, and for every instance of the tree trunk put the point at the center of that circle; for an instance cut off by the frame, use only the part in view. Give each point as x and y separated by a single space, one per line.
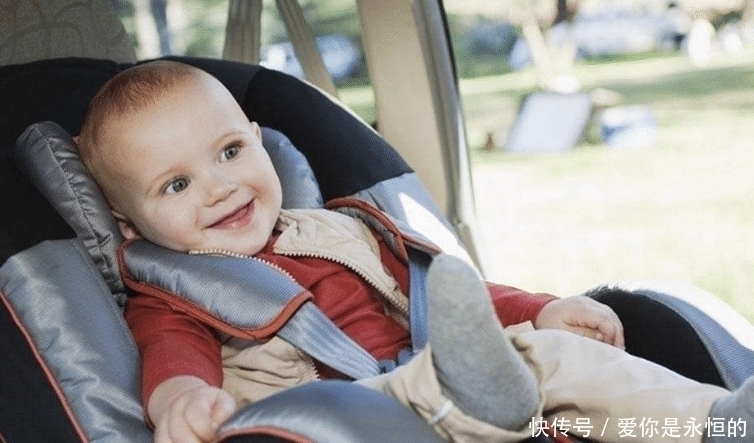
563 13
160 14
748 13
148 41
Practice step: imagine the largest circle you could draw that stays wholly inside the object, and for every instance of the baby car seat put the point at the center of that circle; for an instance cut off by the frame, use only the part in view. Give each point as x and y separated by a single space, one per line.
79 367
69 371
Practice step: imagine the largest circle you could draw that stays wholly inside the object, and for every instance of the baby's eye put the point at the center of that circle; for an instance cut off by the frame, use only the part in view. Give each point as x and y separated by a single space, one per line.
176 186
229 152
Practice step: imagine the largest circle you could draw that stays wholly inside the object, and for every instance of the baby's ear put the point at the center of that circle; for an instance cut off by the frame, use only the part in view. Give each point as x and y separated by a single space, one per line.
256 129
127 229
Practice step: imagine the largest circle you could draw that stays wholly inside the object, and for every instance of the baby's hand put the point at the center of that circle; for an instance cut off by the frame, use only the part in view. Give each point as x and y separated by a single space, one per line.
194 416
583 316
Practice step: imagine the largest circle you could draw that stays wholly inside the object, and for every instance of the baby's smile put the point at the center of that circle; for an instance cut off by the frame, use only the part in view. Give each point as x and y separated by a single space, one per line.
238 218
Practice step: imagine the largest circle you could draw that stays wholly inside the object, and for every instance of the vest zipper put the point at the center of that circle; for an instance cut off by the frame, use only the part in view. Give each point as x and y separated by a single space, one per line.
312 366
398 302
226 253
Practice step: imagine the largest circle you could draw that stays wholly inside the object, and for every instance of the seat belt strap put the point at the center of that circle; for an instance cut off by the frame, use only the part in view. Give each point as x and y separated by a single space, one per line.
315 334
246 294
417 272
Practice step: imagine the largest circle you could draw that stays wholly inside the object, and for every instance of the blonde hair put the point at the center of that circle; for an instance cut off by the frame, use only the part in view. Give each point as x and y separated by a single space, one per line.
126 92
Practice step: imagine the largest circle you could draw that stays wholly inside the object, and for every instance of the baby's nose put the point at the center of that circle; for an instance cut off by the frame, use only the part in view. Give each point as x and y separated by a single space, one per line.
220 187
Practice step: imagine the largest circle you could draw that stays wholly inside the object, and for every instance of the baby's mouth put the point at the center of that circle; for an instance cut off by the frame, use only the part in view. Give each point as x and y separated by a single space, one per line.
237 218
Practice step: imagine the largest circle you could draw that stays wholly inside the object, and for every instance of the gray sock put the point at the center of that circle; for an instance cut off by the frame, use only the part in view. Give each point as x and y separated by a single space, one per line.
737 411
477 366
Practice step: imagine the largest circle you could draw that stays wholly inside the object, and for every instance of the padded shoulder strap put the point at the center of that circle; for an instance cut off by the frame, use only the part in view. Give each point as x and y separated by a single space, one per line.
243 297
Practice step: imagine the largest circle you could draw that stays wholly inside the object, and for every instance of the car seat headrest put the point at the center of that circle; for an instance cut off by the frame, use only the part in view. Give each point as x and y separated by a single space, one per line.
46 153
43 29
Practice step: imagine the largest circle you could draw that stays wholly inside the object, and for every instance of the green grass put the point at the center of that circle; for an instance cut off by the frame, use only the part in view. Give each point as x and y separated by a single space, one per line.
682 210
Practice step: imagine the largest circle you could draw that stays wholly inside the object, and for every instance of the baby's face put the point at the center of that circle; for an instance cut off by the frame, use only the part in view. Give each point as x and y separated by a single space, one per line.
189 172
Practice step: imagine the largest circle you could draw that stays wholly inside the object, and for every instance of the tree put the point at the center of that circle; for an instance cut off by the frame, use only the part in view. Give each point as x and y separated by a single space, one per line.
748 12
564 11
160 14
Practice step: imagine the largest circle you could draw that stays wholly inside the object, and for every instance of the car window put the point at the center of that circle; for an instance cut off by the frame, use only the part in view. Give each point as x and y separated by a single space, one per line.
656 184
197 28
175 27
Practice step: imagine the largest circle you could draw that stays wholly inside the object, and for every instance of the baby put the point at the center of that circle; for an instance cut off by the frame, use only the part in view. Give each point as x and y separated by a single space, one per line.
182 166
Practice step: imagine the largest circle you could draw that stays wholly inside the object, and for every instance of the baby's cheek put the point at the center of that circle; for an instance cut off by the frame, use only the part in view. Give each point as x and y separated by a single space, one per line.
174 225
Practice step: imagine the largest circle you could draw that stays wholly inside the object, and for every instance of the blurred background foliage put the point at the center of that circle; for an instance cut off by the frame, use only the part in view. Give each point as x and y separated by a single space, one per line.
482 30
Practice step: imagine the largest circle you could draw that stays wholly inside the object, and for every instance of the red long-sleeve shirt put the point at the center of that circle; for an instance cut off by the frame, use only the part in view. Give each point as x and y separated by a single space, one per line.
172 343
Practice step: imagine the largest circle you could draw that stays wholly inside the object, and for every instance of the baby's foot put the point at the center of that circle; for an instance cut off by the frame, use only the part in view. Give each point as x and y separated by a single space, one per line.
478 368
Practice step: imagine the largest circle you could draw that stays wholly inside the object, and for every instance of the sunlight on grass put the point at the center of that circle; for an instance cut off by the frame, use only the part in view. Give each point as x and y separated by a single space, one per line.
683 209
360 99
